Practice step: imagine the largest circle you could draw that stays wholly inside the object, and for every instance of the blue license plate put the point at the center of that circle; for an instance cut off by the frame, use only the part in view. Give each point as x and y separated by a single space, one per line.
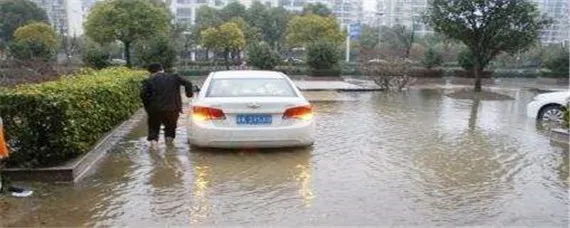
254 119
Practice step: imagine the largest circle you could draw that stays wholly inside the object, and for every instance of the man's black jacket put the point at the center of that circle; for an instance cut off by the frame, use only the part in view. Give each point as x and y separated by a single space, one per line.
161 92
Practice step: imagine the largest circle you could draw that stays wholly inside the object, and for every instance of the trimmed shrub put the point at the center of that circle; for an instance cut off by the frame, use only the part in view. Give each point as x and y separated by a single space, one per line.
50 123
470 74
292 70
261 55
193 72
323 58
426 73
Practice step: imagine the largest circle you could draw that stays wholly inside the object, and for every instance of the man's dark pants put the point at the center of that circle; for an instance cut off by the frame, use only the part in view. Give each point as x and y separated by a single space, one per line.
157 118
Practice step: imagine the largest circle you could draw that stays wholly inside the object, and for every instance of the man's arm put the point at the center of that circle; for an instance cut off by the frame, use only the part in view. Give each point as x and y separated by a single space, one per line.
188 88
146 93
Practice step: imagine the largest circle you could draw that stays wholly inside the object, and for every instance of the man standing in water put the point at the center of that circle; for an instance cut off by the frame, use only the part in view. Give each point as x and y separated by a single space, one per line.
161 98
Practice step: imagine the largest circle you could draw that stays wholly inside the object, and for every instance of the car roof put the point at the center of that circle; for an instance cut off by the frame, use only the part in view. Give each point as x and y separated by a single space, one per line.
247 74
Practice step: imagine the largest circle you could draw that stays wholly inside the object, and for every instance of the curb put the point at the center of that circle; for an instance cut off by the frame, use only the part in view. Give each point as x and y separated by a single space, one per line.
78 168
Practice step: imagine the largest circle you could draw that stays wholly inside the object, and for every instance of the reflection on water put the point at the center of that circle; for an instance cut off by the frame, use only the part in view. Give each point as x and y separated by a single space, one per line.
416 158
202 205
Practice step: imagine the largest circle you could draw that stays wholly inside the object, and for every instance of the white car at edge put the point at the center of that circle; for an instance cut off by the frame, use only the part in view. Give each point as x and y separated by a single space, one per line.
250 109
548 107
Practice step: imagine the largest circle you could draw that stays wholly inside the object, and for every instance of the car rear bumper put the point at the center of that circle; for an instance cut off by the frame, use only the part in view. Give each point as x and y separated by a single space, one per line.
220 137
532 109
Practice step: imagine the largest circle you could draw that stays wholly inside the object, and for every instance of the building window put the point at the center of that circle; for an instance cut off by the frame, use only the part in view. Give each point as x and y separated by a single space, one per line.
201 1
184 1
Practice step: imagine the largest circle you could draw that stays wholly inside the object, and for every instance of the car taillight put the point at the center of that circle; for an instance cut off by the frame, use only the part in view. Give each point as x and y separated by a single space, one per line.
206 113
301 112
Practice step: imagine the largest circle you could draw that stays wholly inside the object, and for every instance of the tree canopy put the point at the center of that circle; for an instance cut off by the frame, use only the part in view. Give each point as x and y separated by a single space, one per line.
370 37
17 13
487 27
318 9
34 41
127 21
225 38
303 30
232 10
400 38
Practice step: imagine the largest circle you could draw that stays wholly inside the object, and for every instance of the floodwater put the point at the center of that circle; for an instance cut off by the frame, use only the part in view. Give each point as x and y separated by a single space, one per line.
417 158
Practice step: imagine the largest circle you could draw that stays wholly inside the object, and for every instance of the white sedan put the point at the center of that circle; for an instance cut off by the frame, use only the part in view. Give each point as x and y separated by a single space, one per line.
250 109
548 107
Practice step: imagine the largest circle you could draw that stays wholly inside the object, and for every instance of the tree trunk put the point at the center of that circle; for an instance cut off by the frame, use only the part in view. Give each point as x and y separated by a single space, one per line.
473 115
128 54
476 72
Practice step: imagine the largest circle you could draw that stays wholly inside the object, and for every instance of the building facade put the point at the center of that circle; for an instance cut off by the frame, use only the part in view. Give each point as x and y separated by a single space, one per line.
185 10
346 11
66 16
408 13
403 12
559 30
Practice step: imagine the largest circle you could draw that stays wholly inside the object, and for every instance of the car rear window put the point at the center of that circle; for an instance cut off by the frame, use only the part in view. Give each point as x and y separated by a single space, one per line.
250 87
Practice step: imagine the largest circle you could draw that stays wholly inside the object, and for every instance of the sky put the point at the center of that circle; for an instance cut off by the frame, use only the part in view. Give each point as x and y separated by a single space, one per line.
369 5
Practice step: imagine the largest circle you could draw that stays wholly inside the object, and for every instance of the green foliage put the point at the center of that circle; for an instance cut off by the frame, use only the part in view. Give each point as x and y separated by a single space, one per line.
370 37
95 56
273 29
318 9
256 15
558 63
324 56
487 27
34 41
226 37
127 21
465 60
261 55
207 17
252 34
232 10
399 38
303 30
431 59
17 13
159 49
51 123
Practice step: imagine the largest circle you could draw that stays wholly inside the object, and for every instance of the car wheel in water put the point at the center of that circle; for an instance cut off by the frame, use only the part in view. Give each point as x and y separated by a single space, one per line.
551 116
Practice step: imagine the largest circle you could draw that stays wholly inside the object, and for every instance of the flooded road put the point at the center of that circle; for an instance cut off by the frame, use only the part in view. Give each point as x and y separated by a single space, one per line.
413 159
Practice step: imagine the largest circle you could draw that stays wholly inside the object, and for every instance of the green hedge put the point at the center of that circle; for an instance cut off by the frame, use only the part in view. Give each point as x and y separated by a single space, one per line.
50 123
350 70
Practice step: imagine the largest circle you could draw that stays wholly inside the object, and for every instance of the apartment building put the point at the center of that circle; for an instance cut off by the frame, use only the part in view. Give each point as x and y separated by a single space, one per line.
408 13
558 10
185 10
403 12
66 16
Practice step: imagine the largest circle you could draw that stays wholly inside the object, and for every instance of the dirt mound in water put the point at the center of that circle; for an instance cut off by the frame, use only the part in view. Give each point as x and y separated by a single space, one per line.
483 95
